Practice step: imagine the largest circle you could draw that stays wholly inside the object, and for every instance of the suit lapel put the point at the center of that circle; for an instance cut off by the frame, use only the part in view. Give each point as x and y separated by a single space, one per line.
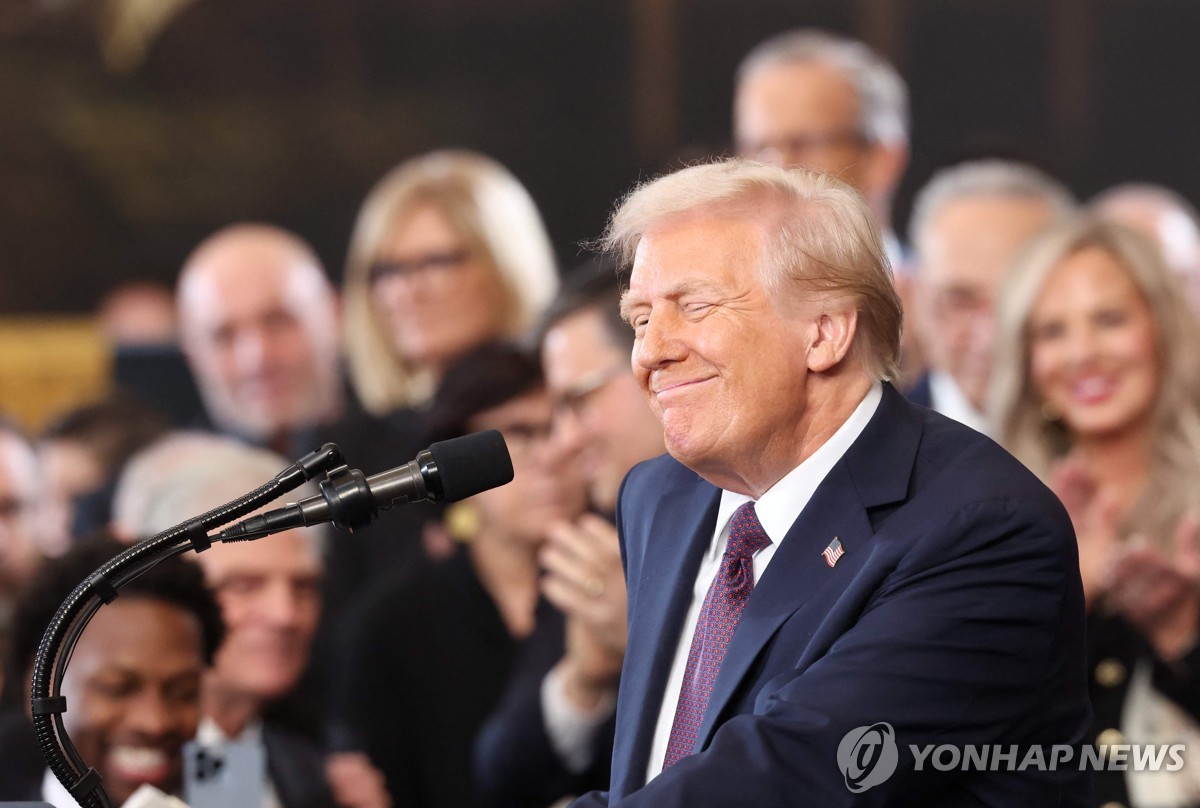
663 596
874 471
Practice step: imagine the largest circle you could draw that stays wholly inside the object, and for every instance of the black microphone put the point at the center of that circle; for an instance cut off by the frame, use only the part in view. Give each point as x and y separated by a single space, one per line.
448 471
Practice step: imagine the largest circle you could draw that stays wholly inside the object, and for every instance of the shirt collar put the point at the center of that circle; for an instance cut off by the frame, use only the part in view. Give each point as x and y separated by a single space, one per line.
209 734
948 398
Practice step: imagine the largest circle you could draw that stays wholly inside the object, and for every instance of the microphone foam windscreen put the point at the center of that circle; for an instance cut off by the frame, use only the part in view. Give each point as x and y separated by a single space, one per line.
471 464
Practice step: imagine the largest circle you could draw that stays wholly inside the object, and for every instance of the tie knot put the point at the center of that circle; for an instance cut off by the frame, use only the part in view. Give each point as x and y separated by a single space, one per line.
746 534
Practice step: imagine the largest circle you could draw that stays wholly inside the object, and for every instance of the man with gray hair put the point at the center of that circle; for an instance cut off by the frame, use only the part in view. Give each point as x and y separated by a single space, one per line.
822 576
968 223
1163 215
812 99
269 593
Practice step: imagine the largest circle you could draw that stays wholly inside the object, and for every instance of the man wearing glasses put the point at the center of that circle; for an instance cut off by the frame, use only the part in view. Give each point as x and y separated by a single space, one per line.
553 737
809 98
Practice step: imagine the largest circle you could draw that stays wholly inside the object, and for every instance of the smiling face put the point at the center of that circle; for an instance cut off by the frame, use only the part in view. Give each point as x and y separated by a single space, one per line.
269 594
1092 351
134 690
723 368
435 296
259 327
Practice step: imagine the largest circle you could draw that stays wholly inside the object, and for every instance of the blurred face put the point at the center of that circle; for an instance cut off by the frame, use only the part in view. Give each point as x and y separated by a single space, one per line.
134 692
1092 353
69 470
962 257
601 421
543 489
724 370
270 599
19 512
1172 229
803 114
436 299
259 328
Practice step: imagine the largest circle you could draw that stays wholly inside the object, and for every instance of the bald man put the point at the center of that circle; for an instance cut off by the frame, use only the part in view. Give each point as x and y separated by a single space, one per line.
259 327
1163 215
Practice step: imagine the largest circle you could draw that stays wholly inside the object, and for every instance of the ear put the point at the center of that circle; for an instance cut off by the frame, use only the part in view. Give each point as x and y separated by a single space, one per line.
835 331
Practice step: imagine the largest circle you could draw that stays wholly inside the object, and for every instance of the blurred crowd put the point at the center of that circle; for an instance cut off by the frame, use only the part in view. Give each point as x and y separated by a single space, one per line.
469 655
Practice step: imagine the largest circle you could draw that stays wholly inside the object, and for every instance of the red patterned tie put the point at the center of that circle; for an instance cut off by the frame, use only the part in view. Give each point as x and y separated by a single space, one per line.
719 616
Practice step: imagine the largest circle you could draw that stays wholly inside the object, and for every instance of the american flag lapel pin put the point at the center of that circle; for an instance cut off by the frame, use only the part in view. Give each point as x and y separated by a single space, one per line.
833 552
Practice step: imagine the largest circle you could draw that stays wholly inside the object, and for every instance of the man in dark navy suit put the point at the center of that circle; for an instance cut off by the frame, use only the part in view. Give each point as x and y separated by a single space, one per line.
821 575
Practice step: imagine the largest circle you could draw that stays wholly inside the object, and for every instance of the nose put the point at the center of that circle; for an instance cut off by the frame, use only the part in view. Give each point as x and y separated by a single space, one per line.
566 433
250 350
1081 345
153 716
279 604
659 342
983 332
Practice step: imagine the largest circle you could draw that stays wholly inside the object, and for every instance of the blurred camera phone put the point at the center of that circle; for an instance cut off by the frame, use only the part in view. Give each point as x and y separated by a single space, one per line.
227 775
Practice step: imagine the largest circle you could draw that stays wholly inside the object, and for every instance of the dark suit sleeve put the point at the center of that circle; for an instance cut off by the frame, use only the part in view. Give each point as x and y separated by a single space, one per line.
975 627
515 763
297 768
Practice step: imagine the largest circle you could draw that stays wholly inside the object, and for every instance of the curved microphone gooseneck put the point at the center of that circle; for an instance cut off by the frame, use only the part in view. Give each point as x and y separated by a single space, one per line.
47 703
448 470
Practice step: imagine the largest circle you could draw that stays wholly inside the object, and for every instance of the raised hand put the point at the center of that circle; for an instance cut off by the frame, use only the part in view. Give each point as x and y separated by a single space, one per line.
1095 516
585 580
1158 591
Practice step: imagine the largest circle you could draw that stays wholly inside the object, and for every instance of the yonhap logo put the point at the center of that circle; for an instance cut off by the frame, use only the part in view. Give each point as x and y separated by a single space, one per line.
867 756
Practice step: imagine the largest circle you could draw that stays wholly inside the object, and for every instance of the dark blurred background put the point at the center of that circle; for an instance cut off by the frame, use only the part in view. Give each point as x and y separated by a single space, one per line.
130 129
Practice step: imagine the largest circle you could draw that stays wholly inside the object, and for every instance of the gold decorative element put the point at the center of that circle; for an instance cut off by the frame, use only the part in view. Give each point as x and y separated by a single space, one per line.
462 521
129 27
1110 672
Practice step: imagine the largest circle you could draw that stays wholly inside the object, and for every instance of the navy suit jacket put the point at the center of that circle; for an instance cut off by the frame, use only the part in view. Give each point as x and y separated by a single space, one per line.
956 615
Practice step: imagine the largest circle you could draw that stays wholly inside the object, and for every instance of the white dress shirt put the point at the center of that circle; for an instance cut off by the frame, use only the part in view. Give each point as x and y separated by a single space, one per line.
777 510
947 397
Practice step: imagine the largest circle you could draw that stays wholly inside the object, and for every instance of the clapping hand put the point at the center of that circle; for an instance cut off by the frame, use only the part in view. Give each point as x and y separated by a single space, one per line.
585 580
1095 516
1159 591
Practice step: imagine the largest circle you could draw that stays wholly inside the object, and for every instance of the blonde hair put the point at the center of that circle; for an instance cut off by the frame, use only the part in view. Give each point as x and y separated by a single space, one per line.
821 237
1016 410
500 224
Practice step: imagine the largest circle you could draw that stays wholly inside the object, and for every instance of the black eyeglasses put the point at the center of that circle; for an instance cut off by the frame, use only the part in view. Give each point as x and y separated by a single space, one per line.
576 400
434 263
803 143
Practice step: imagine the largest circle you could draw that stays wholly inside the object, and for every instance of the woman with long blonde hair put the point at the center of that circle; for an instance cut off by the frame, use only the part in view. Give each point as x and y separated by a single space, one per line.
1097 389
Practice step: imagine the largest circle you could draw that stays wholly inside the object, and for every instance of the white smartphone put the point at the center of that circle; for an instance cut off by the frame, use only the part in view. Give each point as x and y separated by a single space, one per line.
228 775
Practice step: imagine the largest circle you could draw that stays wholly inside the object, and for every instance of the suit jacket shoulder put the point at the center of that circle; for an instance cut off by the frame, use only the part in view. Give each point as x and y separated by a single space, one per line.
954 616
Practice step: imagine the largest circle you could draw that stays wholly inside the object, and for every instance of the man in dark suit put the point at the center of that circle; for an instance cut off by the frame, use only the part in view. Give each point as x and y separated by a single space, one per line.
821 576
